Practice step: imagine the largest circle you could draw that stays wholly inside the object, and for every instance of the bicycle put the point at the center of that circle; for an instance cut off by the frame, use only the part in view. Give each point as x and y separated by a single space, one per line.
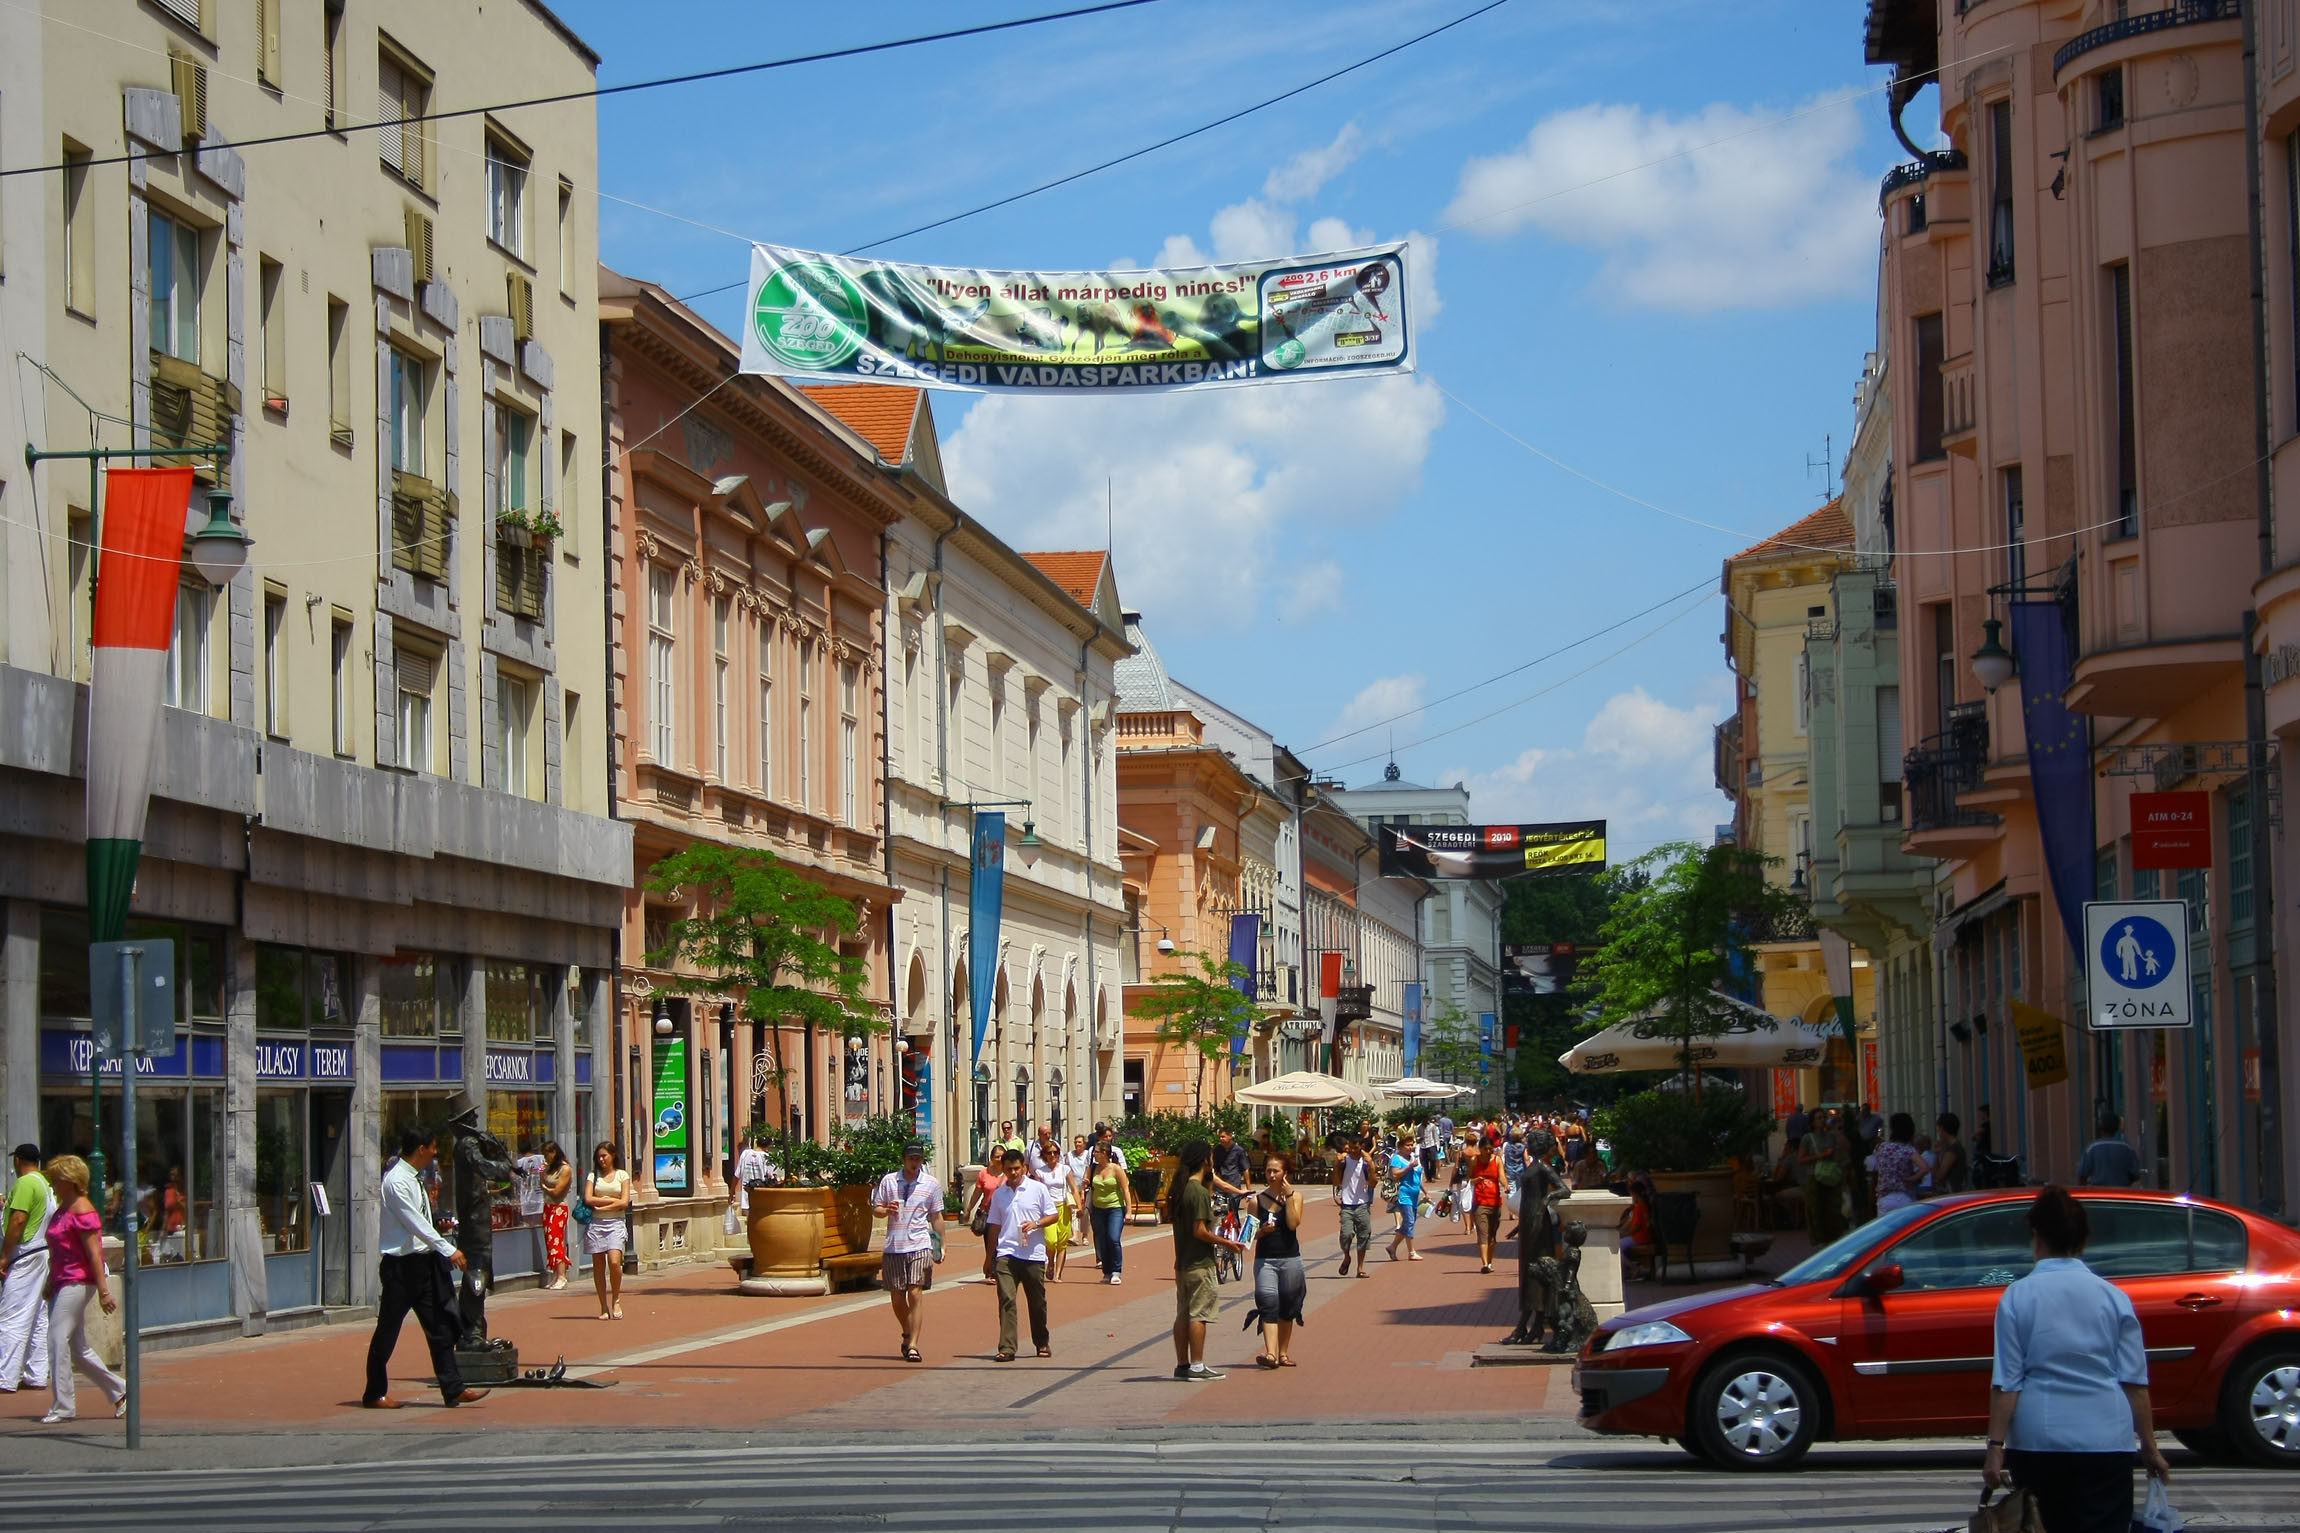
1228 1264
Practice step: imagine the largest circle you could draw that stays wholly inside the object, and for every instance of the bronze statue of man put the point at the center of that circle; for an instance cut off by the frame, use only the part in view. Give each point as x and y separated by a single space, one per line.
482 1163
1539 1286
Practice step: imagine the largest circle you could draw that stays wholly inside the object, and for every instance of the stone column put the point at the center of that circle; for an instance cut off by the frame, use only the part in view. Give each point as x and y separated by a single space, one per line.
243 1226
596 997
564 1003
20 1022
474 1015
367 1148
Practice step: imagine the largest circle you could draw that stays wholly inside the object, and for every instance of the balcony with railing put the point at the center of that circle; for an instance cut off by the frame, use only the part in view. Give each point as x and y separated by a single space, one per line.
1164 729
1936 772
2179 13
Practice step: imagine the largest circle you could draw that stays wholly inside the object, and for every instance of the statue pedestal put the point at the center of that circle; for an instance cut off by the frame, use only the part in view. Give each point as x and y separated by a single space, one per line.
1601 1213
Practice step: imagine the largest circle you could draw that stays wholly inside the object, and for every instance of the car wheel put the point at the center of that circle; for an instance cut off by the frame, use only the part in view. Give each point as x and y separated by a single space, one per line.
1756 1411
2206 1443
2260 1408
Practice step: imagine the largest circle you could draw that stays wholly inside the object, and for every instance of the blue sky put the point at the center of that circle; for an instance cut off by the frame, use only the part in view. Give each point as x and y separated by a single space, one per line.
1652 229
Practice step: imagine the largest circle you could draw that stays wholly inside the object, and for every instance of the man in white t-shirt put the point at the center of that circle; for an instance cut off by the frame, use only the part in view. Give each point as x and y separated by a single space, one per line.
910 1201
1020 1211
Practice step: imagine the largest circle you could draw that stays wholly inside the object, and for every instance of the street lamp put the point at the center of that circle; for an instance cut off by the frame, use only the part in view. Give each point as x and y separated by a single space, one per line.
219 551
1992 662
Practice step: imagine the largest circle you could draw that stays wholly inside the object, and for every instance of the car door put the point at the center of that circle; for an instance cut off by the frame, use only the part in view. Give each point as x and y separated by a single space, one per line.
2183 1268
1920 1354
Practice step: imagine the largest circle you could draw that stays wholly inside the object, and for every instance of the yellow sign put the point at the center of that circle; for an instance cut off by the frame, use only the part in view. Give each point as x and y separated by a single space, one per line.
2043 1045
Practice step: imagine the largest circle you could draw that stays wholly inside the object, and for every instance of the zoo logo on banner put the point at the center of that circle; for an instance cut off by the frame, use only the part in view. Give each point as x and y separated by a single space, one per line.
838 319
2136 963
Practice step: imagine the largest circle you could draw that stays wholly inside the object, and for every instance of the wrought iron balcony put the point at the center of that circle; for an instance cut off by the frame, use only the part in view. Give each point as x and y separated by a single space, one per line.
1786 926
2180 13
1914 173
1946 765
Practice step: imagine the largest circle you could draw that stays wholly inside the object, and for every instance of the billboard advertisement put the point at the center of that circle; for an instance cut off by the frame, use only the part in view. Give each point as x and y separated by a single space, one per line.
1539 968
847 319
670 1136
1492 851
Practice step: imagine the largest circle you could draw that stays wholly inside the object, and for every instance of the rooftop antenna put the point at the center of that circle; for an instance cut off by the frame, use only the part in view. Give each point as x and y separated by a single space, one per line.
1826 464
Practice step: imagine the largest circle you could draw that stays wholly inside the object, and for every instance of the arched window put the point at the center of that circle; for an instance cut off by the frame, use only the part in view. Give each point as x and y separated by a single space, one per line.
1022 1100
1054 1101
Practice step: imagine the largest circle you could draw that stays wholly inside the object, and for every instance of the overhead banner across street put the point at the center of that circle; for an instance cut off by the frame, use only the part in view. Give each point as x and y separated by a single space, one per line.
842 319
1492 851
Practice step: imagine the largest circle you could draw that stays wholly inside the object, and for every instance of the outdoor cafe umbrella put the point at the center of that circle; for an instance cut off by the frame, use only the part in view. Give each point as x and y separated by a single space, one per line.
1303 1088
1421 1086
1752 1039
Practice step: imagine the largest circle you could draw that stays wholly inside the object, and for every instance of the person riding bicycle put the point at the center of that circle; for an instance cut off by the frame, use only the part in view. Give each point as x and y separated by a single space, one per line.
1233 1169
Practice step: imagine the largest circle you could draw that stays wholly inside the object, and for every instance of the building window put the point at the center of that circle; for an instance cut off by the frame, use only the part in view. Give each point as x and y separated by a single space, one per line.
408 397
850 744
331 67
509 470
339 674
506 196
1944 664
298 989
188 654
1932 405
766 708
1916 220
2000 194
175 275
720 609
415 991
2016 529
1803 683
415 674
339 370
79 232
2291 252
662 655
997 732
513 712
566 224
570 749
403 93
2108 99
955 718
275 663
274 320
2127 427
565 500
516 1009
806 724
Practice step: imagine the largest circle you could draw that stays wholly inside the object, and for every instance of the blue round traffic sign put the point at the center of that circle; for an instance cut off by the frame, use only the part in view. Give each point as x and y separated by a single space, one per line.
2137 952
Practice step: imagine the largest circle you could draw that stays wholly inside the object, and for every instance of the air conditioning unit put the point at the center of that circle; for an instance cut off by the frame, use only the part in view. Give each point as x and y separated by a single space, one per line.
419 243
521 296
188 78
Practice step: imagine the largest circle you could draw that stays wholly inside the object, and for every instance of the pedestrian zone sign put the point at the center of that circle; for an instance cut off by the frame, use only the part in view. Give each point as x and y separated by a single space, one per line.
2136 963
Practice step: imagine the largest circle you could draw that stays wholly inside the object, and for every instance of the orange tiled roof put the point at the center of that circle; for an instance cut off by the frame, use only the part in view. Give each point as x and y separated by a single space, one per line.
881 413
1828 527
1077 571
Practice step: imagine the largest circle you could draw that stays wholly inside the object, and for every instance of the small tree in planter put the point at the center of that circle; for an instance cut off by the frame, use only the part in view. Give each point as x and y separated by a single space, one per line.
1670 1131
1202 1011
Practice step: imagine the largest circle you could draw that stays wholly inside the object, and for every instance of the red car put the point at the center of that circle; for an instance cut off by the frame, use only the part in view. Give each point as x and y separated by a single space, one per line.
1891 1331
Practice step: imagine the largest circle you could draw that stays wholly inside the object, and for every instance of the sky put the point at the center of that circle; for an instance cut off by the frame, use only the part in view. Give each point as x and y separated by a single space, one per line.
1644 235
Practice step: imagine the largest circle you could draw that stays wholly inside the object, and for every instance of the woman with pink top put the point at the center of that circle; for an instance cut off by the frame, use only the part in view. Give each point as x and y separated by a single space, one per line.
75 1272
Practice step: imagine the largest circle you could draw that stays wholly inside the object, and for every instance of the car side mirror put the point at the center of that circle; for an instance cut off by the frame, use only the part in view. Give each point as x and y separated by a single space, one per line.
1883 1280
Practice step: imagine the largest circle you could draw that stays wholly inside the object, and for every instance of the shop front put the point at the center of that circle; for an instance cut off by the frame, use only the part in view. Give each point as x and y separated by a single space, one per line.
303 1142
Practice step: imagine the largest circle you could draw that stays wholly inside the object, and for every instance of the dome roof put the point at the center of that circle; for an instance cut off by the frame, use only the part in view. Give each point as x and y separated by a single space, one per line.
1141 677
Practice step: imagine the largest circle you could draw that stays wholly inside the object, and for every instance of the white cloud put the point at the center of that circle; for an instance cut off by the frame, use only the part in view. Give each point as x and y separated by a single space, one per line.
1252 230
1643 764
1311 592
1306 173
1397 698
1722 209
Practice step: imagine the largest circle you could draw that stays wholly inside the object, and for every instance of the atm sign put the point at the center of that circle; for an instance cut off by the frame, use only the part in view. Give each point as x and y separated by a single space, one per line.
2171 830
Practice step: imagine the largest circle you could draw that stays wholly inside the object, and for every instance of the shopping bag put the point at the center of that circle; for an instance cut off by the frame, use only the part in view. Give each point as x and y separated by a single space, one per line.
733 1223
1516 1196
2016 1513
2157 1514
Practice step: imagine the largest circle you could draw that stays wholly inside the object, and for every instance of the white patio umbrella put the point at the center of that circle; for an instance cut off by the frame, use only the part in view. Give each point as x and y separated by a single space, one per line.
1304 1088
1754 1039
1422 1087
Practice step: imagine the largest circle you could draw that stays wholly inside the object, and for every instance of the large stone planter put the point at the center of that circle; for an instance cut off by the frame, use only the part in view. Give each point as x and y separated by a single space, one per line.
786 1227
1713 1236
851 1208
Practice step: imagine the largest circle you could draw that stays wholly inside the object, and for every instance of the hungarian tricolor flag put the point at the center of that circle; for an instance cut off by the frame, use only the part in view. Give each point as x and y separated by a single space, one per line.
137 574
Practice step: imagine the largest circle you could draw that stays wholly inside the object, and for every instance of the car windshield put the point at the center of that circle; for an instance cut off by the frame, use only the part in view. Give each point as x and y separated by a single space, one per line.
1834 1259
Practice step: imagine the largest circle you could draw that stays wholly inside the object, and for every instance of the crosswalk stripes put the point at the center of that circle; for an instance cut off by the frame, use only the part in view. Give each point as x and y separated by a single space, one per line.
992 1485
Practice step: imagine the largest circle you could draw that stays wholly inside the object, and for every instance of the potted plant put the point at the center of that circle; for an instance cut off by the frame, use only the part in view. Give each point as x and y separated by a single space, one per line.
860 1155
1685 1143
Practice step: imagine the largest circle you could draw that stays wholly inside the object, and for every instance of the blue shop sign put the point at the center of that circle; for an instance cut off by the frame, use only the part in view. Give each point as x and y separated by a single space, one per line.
68 1051
422 1063
303 1061
582 1069
519 1067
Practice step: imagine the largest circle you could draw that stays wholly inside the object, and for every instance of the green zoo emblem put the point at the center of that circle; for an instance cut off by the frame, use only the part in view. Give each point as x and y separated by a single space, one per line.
1290 353
809 315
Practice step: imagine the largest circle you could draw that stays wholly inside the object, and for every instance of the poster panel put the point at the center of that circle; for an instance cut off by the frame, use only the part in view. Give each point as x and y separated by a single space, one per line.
848 319
1492 851
671 1135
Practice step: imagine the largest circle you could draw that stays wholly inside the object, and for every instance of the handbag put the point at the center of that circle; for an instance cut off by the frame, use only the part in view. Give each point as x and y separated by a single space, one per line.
2016 1513
1828 1173
581 1211
2157 1514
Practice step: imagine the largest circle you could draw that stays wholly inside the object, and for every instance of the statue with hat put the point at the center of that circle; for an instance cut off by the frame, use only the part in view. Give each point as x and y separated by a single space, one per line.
482 1163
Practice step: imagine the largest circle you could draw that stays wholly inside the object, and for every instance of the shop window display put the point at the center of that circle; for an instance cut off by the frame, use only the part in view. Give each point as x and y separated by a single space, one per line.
177 1183
417 996
522 1120
282 1205
403 1110
516 1010
297 989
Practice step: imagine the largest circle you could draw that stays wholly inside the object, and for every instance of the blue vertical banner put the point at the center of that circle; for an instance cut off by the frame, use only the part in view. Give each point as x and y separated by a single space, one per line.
2059 760
985 900
1485 1032
1412 1028
1245 949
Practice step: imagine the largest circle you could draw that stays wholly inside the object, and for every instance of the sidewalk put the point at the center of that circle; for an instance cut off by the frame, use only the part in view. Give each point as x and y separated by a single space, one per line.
694 1353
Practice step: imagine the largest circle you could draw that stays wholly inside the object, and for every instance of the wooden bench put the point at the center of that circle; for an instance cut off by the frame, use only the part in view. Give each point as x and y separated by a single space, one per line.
842 1263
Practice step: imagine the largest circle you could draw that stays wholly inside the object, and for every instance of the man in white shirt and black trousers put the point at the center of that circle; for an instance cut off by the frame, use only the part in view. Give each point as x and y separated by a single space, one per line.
416 1274
1020 1211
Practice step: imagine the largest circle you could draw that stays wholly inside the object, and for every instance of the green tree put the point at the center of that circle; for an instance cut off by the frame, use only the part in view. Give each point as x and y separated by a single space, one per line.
767 936
1201 1011
1569 908
1677 935
1449 1045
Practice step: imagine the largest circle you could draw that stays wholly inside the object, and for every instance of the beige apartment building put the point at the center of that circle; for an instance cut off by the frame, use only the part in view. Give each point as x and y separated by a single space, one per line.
379 832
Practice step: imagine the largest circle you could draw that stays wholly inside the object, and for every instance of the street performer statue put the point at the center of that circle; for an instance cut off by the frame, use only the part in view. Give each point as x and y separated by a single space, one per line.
482 1163
1540 1190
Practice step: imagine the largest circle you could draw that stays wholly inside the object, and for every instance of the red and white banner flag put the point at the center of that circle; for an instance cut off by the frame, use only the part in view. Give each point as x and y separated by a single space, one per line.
137 575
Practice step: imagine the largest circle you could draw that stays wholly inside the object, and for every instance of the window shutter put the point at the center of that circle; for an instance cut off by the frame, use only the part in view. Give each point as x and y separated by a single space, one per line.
416 671
189 79
419 242
521 301
390 106
327 82
268 31
185 11
1889 734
